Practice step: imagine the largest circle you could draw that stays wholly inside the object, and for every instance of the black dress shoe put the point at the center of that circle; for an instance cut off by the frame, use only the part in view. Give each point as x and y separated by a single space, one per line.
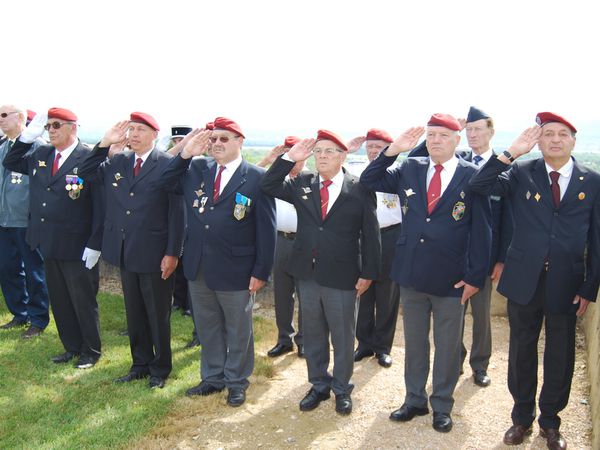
236 397
14 323
442 422
64 358
300 350
131 376
86 362
554 440
408 412
481 378
193 343
362 353
156 382
31 332
279 350
203 389
343 404
384 360
515 435
312 399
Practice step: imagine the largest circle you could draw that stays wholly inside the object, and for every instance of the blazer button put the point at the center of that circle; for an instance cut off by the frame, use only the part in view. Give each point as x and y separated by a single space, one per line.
320 228
421 240
128 212
207 226
47 188
131 194
42 219
211 208
428 220
43 204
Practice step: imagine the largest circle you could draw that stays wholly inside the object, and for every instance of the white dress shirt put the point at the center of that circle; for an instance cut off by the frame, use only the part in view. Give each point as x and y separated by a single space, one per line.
334 188
449 167
144 157
228 172
565 176
65 153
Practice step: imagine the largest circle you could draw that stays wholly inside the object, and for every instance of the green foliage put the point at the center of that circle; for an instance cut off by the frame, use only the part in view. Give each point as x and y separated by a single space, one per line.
55 406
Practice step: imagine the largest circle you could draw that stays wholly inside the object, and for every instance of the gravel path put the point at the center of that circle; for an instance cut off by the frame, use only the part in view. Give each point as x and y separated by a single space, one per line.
270 419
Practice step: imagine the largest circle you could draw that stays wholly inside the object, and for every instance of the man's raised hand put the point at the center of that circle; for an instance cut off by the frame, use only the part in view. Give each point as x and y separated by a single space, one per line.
117 133
197 145
405 142
302 150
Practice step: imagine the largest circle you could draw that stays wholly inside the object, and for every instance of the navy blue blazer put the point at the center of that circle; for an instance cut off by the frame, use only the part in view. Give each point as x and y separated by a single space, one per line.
142 224
568 238
435 251
60 223
231 243
502 216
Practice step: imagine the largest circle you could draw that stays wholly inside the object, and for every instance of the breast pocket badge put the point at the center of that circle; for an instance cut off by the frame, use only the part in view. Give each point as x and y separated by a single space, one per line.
458 211
242 206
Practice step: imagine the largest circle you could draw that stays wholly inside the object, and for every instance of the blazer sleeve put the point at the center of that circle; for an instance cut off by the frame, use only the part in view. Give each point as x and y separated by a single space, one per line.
274 184
589 288
507 226
17 158
494 178
377 178
98 213
419 150
266 233
480 242
90 169
370 241
176 226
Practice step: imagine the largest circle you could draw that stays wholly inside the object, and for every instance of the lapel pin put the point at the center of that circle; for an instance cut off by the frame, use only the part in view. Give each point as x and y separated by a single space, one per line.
408 192
41 163
462 194
537 196
581 195
528 195
581 178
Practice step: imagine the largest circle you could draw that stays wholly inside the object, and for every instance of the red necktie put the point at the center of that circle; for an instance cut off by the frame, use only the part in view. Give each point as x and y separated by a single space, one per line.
55 164
325 197
217 188
138 167
435 189
555 187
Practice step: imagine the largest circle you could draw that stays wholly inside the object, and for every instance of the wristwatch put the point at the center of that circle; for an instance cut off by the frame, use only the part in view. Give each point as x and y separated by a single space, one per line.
508 156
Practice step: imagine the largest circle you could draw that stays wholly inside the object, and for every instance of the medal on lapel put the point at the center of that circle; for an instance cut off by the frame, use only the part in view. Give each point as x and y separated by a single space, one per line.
458 211
74 185
16 178
41 163
242 206
203 201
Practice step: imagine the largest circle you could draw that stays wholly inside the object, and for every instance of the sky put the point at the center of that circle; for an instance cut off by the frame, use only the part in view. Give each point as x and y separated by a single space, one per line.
294 67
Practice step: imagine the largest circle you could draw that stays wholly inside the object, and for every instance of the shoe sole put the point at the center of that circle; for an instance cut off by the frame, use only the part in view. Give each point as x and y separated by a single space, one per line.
84 366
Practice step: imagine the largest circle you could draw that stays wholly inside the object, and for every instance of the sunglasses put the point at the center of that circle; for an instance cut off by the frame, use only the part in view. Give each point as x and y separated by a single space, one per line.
56 125
223 139
5 115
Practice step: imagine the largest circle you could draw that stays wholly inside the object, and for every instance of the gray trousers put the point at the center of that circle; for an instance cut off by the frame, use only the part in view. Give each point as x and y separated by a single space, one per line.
447 312
284 288
328 312
224 320
481 348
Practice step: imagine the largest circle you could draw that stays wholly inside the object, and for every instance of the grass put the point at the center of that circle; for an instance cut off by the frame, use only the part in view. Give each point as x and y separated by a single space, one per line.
49 406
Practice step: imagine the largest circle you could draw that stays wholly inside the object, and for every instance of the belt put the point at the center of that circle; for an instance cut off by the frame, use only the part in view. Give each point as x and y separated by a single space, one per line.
286 235
391 227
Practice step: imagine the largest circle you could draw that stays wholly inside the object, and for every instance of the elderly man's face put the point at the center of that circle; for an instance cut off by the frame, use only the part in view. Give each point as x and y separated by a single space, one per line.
479 134
225 146
441 143
141 137
374 148
328 158
64 136
556 142
13 122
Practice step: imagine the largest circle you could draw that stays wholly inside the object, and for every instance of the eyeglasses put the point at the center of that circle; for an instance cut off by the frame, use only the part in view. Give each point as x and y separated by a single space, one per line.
327 151
56 125
223 139
5 115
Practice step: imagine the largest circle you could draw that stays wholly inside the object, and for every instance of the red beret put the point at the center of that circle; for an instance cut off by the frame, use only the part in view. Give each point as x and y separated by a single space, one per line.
144 118
444 120
290 141
61 113
30 115
375 134
547 117
329 136
209 126
224 123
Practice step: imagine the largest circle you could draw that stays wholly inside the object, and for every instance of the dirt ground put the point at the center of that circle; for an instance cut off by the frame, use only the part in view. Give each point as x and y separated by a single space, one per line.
270 418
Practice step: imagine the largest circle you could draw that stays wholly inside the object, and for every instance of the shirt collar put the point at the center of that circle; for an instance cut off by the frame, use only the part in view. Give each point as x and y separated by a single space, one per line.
338 179
67 151
485 155
564 171
232 166
144 157
448 166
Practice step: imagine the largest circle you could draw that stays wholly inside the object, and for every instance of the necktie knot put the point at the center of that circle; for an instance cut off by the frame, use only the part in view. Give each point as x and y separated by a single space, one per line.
327 183
477 159
56 163
138 167
438 168
554 176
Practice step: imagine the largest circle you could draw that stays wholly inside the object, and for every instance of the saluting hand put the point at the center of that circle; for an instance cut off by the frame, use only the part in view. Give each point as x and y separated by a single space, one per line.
468 291
462 122
255 285
355 143
302 150
525 142
117 133
177 148
168 266
271 156
405 142
197 145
